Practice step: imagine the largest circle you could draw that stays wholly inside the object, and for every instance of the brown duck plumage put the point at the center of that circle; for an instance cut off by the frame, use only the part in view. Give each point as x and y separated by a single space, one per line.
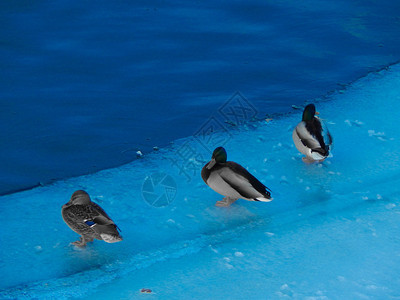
89 220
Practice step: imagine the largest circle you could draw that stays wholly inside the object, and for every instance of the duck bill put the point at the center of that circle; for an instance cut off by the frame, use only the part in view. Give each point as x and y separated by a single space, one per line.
316 113
211 164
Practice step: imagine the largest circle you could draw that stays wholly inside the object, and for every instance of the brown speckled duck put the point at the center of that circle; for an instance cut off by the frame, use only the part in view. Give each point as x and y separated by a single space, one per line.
89 220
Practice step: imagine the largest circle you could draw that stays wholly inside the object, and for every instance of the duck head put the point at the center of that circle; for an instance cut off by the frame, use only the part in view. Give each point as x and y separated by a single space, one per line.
219 156
309 112
79 197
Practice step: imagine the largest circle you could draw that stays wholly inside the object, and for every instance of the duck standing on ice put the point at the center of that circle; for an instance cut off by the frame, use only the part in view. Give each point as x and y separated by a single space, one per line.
232 180
308 138
89 220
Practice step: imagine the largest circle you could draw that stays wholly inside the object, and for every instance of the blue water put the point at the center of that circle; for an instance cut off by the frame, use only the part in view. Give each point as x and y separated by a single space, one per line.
83 86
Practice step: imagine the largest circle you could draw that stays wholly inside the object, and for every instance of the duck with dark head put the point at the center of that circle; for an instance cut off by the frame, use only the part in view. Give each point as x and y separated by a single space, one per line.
308 137
232 180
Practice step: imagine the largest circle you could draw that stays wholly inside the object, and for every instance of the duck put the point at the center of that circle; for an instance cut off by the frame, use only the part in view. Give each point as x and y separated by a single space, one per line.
89 220
308 137
232 180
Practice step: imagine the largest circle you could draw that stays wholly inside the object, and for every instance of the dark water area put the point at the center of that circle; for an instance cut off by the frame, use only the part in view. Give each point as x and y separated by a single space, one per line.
83 86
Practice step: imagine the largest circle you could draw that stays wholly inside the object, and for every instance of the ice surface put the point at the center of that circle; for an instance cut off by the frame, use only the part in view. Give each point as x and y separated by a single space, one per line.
85 85
331 232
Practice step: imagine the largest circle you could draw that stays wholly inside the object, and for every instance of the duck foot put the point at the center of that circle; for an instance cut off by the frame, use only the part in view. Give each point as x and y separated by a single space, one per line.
82 242
225 202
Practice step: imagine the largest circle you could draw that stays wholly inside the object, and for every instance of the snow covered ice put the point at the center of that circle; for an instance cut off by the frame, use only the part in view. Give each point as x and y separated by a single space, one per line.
331 232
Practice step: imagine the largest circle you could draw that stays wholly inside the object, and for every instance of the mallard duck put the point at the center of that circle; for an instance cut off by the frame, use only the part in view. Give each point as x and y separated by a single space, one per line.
232 180
308 137
89 220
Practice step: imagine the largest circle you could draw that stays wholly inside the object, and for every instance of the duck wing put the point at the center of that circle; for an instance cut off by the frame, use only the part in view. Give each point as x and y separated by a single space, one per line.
75 216
328 138
102 220
311 135
307 136
243 182
100 215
